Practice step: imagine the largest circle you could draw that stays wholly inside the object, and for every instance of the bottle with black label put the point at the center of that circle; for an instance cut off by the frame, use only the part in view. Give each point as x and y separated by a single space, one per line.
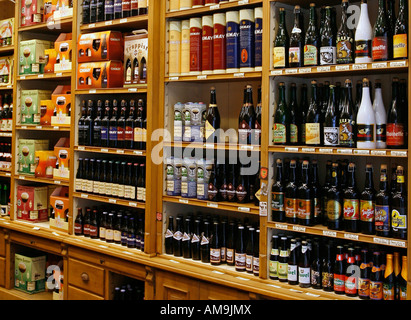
347 124
382 205
86 11
290 195
113 126
305 198
243 185
240 253
231 241
205 242
246 119
195 240
97 124
215 249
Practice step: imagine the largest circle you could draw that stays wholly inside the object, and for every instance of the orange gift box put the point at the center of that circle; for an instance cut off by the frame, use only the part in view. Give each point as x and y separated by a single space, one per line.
103 74
59 200
100 46
61 98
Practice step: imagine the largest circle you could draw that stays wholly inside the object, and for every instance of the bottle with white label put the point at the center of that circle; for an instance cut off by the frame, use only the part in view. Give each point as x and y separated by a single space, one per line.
380 117
363 36
366 130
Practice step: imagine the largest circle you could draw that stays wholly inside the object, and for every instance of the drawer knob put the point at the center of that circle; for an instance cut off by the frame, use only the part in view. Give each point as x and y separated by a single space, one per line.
85 277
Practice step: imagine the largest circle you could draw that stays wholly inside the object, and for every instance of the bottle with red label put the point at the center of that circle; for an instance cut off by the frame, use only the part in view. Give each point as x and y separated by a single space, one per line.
382 35
367 203
351 275
395 120
376 278
305 198
364 279
339 272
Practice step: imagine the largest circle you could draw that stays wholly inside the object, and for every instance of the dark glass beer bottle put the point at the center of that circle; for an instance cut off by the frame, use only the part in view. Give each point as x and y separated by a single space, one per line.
389 280
376 278
249 250
283 260
168 238
339 272
215 249
212 122
292 263
351 275
281 43
274 253
399 209
351 201
328 270
296 48
304 266
313 126
290 195
367 203
205 242
240 253
364 279
231 241
382 206
334 201
316 190
195 240
281 126
277 194
305 198
312 41
187 235
316 266
78 223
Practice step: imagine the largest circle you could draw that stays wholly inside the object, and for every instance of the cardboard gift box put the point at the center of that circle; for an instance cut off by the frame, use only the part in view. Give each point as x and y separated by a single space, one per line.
30 105
51 57
63 47
32 58
61 98
135 59
103 74
46 112
30 272
32 203
59 201
46 162
31 12
6 31
100 46
26 162
62 154
6 70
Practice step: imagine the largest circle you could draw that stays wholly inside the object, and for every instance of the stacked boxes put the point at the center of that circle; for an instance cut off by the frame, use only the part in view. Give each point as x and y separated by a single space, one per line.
135 59
30 105
30 272
27 150
32 58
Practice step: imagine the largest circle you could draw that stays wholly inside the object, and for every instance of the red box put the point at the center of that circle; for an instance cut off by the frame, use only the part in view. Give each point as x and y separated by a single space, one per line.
32 203
31 12
100 46
103 74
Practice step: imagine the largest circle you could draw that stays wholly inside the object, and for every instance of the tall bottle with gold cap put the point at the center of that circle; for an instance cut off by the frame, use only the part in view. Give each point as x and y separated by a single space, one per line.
388 285
402 283
399 207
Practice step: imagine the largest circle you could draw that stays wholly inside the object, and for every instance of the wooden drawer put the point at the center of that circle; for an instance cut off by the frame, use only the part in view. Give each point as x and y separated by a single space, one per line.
86 276
210 291
2 244
38 243
2 272
74 293
170 286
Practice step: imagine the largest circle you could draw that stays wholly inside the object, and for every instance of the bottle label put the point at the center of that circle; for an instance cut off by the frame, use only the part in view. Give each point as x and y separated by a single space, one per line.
293 133
209 130
382 215
395 134
256 265
331 136
381 132
178 235
273 269
120 133
367 210
380 48
128 134
365 133
117 235
351 209
346 132
104 133
232 45
215 255
363 287
277 201
244 131
77 228
328 55
304 275
292 272
339 282
246 44
399 219
294 55
291 208
376 290
219 46
351 283
344 50
279 133
388 291
403 292
240 261
315 277
112 134
310 55
195 49
279 57
328 280
317 208
249 262
363 48
312 133
258 42
109 234
282 270
241 193
304 209
230 255
400 46
334 210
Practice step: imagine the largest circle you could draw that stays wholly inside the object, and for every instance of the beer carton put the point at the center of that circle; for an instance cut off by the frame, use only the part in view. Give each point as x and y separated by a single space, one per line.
103 74
62 153
31 12
100 46
30 105
63 47
46 162
32 58
6 31
32 203
59 201
46 112
135 59
6 71
26 162
30 272
51 57
61 98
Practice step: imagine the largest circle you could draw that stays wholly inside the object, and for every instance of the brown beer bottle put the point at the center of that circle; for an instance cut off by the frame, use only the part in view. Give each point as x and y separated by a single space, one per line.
367 203
351 202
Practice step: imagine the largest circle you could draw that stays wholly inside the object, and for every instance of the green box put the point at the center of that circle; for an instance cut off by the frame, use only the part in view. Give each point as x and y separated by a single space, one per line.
32 58
26 158
30 272
30 105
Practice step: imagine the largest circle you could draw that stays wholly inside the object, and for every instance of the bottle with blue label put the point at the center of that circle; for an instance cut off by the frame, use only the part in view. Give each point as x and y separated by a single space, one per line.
232 41
247 40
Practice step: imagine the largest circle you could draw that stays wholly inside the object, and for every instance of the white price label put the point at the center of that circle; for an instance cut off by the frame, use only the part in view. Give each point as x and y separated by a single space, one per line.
291 71
85 196
290 149
351 236
132 204
361 151
378 152
343 67
399 153
214 7
91 25
173 78
304 70
281 226
398 63
243 209
276 72
397 243
202 77
344 151
183 200
323 69
360 66
109 22
112 200
212 205
132 89
329 233
92 91
241 2
308 149
299 229
379 65
326 150
123 20
238 75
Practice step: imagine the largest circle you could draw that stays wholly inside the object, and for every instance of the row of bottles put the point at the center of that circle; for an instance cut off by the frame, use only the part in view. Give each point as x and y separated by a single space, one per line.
112 178
6 112
338 203
105 10
5 156
328 44
113 124
214 240
4 198
331 118
131 290
366 271
123 227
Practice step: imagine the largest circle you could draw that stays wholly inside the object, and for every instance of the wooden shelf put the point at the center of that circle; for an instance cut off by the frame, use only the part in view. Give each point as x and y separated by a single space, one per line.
26 177
6 87
110 200
340 151
321 230
344 69
249 208
137 89
104 150
238 76
5 50
54 27
5 174
217 146
7 134
130 23
15 294
45 76
42 128
212 9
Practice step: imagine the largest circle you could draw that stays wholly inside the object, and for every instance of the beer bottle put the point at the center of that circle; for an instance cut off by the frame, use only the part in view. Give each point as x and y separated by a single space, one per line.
232 182
131 233
395 119
295 121
105 125
142 7
240 253
117 228
292 263
129 127
78 223
246 119
290 195
304 267
273 264
214 183
81 132
86 11
205 242
250 250
364 279
316 190
339 272
257 124
195 240
389 280
334 201
399 211
393 183
112 135
311 47
328 49
178 237
325 92
312 123
351 275
96 138
403 278
215 250
168 238
222 187
110 228
141 183
93 224
376 278
303 110
109 10
223 240
277 194
305 198
345 38
242 188
400 39
79 175
86 224
283 260
212 122
281 126
296 48
256 253
88 124
186 241
363 36
331 121
382 206
316 266
121 124
93 11
367 203
231 241
347 125
382 35
281 43
351 208
328 270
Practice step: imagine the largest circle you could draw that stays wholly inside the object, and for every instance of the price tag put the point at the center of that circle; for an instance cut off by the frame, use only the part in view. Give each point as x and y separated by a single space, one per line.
378 152
290 149
40 76
329 233
361 151
381 241
22 177
57 182
132 204
123 20
238 75
246 147
281 226
112 200
323 69
138 152
202 77
308 149
344 151
291 71
359 66
304 70
81 148
263 208
398 63
83 195
59 74
24 127
243 209
379 65
214 7
92 91
399 153
132 89
241 2
397 243
209 145
120 151
109 22
326 150
212 205
91 25
299 229
183 200
173 78
104 150
351 236
39 127
56 128
22 77
8 174
276 72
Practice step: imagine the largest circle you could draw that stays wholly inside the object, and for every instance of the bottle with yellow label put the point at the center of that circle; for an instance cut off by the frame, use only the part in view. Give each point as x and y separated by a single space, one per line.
399 207
334 201
281 43
400 38
367 203
389 280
